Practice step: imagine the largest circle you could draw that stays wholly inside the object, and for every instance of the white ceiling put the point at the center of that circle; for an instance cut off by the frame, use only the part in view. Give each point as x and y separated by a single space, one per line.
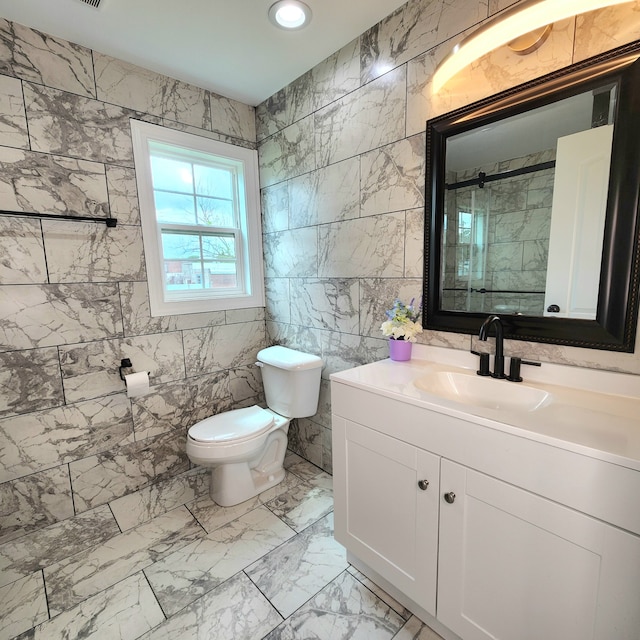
227 46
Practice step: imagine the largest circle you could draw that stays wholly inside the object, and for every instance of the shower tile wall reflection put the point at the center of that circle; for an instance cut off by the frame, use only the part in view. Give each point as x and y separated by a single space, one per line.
497 239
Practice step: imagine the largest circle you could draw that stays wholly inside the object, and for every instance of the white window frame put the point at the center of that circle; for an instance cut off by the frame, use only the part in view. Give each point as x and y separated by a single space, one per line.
249 248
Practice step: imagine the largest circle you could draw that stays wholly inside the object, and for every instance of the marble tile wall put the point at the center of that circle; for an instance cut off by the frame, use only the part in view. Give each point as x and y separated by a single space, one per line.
342 173
73 296
510 250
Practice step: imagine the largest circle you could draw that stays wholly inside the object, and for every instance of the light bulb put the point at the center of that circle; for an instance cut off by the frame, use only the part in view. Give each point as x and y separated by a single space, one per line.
289 14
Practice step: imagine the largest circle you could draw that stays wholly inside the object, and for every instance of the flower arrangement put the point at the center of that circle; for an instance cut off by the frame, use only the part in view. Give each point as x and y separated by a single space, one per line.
402 324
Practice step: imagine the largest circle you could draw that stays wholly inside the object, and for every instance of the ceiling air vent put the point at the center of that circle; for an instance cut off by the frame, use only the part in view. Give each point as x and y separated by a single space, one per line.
92 3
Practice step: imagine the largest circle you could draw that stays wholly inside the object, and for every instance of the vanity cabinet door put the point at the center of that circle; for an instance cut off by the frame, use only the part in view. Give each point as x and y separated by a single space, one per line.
515 566
386 507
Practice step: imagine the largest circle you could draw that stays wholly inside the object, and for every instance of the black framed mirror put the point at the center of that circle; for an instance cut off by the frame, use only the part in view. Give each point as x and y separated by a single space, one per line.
497 191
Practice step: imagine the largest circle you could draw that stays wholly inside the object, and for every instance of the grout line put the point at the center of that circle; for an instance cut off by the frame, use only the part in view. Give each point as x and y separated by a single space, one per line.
46 596
164 613
263 594
114 518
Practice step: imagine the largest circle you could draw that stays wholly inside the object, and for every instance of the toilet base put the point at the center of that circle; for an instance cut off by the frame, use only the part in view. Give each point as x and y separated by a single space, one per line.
236 482
226 492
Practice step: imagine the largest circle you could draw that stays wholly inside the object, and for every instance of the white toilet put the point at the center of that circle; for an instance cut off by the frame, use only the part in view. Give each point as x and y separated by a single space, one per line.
246 447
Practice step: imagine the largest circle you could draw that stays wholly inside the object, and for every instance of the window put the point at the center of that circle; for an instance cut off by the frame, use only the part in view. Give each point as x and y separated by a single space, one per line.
199 204
465 227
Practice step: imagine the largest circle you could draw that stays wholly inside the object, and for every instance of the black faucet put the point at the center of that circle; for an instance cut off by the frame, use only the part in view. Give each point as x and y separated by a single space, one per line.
498 361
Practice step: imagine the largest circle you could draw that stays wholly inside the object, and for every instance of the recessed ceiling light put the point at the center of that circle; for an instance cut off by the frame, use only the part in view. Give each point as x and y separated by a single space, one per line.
289 14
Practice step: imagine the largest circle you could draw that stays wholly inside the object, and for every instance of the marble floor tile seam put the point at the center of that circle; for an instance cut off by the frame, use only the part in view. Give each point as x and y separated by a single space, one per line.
26 532
315 595
307 476
120 529
210 532
270 504
212 535
46 595
61 586
44 555
307 601
344 614
289 575
306 463
69 558
411 627
44 564
202 566
407 622
30 634
274 509
155 595
47 580
402 611
204 595
22 602
81 603
221 586
119 533
227 580
302 606
302 469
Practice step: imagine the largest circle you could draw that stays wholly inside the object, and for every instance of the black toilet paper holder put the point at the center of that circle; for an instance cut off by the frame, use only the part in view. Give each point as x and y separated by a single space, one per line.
125 363
125 368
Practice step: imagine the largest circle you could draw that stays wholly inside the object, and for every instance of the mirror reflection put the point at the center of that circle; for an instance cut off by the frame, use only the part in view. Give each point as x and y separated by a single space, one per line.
524 210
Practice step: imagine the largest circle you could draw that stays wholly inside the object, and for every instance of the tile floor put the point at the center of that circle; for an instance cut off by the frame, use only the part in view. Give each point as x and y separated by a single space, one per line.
167 562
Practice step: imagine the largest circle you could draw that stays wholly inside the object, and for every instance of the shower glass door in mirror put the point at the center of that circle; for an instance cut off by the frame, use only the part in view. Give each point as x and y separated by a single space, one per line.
524 210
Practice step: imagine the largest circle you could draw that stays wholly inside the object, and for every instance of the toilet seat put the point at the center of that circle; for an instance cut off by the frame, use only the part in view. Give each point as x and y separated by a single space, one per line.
234 426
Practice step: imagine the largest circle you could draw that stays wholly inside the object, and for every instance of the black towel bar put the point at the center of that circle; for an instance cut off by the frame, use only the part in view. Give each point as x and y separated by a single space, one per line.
110 222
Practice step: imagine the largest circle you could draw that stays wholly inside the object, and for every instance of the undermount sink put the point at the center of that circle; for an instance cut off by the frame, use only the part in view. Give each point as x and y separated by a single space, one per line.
486 392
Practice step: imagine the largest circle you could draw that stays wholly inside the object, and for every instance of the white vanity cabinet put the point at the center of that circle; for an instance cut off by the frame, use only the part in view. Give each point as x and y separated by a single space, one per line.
513 565
388 506
502 543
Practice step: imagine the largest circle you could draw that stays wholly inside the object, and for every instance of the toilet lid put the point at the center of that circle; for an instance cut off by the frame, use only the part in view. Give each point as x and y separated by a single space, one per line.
237 425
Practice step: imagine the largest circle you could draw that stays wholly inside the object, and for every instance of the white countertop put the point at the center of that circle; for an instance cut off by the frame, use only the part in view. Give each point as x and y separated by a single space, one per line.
592 412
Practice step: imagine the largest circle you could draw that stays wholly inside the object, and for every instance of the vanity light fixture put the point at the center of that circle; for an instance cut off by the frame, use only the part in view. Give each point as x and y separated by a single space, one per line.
509 25
289 14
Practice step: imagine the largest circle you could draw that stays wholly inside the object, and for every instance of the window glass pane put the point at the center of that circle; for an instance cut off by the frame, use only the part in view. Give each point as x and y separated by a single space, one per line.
220 275
194 261
216 213
174 208
465 222
213 181
180 246
219 247
180 276
171 175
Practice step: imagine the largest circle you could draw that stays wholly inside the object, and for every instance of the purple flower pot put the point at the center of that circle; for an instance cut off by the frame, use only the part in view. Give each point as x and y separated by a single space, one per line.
400 350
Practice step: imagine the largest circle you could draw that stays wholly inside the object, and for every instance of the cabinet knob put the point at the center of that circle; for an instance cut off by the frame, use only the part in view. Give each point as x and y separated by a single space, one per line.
423 484
449 497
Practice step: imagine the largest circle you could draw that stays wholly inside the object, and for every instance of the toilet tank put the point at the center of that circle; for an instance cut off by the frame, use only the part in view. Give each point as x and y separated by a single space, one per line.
291 381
